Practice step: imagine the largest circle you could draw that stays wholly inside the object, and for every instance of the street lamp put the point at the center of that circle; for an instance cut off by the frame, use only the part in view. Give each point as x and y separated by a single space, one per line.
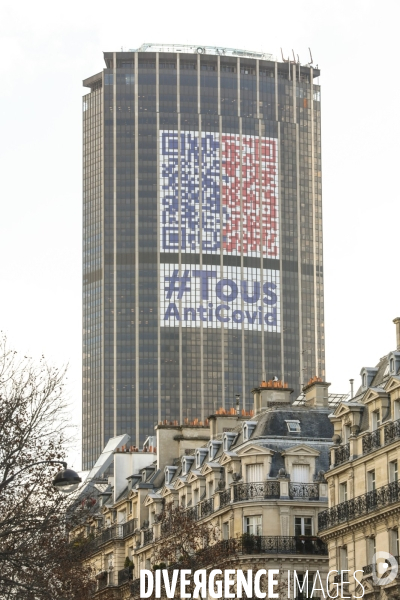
66 481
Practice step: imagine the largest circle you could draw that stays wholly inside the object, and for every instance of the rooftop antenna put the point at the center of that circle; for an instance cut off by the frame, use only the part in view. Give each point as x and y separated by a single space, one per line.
311 58
286 60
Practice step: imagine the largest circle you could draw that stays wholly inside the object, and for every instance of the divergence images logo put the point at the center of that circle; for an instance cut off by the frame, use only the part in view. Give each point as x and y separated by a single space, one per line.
387 565
195 297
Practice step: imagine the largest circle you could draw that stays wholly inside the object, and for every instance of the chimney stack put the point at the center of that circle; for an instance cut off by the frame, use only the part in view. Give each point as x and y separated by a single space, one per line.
316 393
396 321
271 393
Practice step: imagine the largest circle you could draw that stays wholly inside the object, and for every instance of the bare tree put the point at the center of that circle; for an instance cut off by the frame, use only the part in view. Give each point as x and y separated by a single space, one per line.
37 562
187 543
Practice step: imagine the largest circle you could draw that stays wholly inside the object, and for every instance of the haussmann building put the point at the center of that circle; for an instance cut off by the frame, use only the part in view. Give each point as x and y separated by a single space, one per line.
202 240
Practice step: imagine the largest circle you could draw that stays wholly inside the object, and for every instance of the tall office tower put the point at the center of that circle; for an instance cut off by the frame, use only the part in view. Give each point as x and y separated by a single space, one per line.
202 244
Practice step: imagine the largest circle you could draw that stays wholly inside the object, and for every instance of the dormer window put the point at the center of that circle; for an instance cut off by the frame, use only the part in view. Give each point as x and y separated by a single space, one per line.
367 376
200 456
293 426
169 473
346 433
391 367
248 428
187 462
228 440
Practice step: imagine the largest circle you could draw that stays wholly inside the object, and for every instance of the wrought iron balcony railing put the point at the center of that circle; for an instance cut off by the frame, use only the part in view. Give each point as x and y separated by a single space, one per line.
256 544
359 506
253 544
148 536
205 508
124 575
304 491
371 441
252 491
342 453
367 570
338 578
224 498
392 432
129 527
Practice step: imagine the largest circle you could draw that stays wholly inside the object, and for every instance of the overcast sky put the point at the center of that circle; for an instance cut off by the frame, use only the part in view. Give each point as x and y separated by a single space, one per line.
48 48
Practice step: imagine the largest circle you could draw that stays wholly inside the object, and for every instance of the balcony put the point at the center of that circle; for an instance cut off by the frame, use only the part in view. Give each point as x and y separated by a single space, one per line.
124 575
261 544
359 506
371 441
256 491
115 532
392 432
367 570
338 578
304 491
106 581
224 498
129 527
342 454
147 536
205 508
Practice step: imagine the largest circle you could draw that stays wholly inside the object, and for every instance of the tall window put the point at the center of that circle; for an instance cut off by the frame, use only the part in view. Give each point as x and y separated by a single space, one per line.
253 525
376 419
396 410
346 434
303 585
343 492
371 549
303 526
393 471
225 530
394 542
300 474
371 481
343 561
121 517
254 473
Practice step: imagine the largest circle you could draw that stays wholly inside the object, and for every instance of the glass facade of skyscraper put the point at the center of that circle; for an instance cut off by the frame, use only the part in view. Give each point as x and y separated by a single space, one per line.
202 242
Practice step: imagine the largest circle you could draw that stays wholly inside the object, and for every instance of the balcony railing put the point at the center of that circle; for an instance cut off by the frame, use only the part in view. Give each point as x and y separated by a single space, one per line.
367 570
224 498
124 575
129 527
205 508
148 536
304 491
392 432
255 544
250 544
106 581
342 453
115 532
260 491
371 441
338 578
359 506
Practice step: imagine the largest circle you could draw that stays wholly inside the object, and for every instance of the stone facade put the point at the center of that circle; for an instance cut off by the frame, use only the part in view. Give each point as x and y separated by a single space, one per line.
256 475
363 517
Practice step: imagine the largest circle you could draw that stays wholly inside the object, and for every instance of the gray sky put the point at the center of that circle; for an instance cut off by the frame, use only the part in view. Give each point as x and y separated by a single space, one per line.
48 48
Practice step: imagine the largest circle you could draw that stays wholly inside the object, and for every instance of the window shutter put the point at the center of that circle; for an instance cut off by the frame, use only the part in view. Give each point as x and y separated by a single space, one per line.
254 473
300 474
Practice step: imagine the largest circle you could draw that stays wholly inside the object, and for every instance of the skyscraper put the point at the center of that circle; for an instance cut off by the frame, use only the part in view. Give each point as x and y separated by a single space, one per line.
202 242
